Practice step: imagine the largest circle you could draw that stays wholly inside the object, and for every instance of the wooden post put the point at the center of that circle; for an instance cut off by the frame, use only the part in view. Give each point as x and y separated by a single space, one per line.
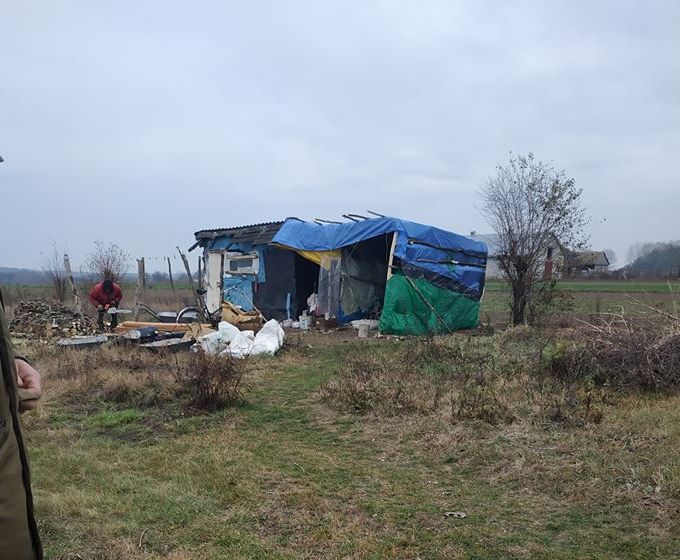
72 283
199 302
139 290
172 283
390 259
200 275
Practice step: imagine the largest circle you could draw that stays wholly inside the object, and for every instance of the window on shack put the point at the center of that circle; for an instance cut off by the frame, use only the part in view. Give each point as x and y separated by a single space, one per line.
242 263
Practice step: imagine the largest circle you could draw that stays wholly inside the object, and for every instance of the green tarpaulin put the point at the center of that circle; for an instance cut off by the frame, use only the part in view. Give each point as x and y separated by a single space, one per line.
413 306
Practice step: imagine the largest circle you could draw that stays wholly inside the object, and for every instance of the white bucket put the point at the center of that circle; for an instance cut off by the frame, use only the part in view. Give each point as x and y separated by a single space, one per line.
305 322
363 331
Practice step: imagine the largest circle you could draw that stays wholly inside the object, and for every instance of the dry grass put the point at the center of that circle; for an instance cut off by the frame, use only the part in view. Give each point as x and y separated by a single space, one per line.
124 469
622 352
496 379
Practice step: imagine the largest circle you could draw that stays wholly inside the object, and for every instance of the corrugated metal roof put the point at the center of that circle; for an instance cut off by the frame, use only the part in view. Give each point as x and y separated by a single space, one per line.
254 233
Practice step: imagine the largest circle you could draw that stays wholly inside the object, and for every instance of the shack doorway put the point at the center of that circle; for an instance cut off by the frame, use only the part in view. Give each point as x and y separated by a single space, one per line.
363 277
306 282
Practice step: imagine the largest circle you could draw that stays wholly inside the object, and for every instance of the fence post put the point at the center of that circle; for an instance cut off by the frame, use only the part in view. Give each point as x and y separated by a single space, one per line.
172 283
72 283
139 290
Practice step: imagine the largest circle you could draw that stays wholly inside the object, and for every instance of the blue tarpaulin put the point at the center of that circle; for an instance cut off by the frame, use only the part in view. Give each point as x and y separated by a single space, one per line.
239 291
434 251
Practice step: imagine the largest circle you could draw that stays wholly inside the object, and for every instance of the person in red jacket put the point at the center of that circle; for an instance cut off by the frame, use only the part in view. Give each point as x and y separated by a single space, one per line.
104 296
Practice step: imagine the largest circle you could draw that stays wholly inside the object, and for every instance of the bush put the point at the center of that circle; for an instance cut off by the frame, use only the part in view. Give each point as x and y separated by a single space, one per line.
212 381
418 377
562 391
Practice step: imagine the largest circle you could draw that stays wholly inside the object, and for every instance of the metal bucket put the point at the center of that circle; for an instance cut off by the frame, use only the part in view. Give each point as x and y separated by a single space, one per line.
305 322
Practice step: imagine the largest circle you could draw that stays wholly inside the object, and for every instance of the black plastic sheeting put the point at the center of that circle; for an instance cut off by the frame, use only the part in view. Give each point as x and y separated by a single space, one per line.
271 297
290 280
364 274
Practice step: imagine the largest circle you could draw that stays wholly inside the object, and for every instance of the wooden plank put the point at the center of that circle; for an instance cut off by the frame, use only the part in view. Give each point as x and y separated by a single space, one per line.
167 327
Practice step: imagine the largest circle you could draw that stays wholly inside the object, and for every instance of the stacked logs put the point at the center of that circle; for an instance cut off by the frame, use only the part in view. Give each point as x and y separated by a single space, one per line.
43 318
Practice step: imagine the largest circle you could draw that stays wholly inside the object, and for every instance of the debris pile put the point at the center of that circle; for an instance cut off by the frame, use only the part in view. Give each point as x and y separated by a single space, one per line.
49 319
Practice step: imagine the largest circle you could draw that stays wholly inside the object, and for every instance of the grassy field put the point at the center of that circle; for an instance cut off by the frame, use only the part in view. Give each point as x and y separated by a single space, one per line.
616 286
587 298
123 469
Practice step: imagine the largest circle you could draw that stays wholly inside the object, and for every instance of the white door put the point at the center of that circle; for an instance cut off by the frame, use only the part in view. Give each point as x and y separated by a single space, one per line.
213 280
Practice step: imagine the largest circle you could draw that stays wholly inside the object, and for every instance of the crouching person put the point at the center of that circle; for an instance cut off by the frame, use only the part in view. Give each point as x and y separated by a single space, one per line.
104 296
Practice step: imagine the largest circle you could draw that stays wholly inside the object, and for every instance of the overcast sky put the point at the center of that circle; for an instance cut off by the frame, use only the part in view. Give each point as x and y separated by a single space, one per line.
140 122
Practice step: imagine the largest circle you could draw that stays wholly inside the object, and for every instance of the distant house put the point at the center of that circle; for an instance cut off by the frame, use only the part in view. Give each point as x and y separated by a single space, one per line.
552 259
557 261
584 263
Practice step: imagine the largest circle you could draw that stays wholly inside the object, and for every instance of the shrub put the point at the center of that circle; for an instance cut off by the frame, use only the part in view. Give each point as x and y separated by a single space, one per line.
212 381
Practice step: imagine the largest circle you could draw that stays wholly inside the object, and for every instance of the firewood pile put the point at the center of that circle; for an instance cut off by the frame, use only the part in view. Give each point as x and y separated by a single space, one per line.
49 319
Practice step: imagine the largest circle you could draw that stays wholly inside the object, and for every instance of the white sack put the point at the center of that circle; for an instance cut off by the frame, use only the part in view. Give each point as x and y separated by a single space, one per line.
269 340
228 340
212 343
228 331
240 345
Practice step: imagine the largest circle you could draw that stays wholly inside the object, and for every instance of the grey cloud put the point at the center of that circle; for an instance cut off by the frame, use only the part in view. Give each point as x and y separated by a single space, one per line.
116 115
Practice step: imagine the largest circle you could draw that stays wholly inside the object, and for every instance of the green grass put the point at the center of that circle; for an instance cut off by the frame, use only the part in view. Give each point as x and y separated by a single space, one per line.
618 286
285 476
593 297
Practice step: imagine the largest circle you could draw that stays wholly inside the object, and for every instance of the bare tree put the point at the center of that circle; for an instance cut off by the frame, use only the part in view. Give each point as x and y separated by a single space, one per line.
55 271
529 203
107 261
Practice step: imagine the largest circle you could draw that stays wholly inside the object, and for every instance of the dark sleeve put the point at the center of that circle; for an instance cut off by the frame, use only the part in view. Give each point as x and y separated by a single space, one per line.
4 332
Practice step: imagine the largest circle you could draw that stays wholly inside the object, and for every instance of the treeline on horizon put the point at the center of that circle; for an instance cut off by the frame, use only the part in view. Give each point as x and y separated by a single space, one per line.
657 259
651 260
30 277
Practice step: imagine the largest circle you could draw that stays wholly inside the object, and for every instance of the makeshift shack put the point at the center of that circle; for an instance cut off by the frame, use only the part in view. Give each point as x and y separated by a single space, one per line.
416 279
245 269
